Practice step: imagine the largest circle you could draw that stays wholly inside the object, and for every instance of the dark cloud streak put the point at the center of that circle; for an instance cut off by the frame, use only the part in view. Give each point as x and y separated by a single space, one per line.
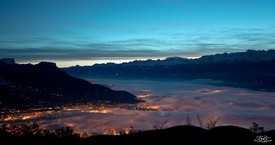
170 44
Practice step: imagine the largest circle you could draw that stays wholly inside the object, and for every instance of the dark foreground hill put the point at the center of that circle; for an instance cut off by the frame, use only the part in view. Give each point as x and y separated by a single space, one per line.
250 69
43 84
190 135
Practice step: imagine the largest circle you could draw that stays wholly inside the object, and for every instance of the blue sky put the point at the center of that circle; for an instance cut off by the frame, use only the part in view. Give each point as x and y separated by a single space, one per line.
85 32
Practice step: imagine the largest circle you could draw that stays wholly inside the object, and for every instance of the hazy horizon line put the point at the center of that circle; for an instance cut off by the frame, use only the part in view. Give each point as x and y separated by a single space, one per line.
115 60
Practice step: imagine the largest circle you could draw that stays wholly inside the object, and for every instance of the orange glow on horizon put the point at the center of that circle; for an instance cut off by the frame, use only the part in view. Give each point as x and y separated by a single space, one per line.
101 60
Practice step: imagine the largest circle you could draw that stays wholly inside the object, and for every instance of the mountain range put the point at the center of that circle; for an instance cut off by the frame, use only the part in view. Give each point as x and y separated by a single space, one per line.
251 69
44 84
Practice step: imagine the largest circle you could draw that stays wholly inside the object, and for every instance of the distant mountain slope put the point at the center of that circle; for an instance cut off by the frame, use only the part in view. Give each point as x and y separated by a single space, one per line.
23 85
248 56
251 69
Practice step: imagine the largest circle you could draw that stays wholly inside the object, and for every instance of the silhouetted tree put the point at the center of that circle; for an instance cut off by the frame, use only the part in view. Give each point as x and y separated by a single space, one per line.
256 128
200 121
212 122
159 124
188 121
4 130
64 131
34 130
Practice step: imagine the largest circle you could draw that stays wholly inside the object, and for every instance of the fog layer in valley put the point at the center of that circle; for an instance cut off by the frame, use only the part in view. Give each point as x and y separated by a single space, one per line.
171 101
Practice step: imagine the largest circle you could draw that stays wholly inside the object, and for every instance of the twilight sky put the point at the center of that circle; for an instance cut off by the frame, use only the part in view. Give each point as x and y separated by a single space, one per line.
85 32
